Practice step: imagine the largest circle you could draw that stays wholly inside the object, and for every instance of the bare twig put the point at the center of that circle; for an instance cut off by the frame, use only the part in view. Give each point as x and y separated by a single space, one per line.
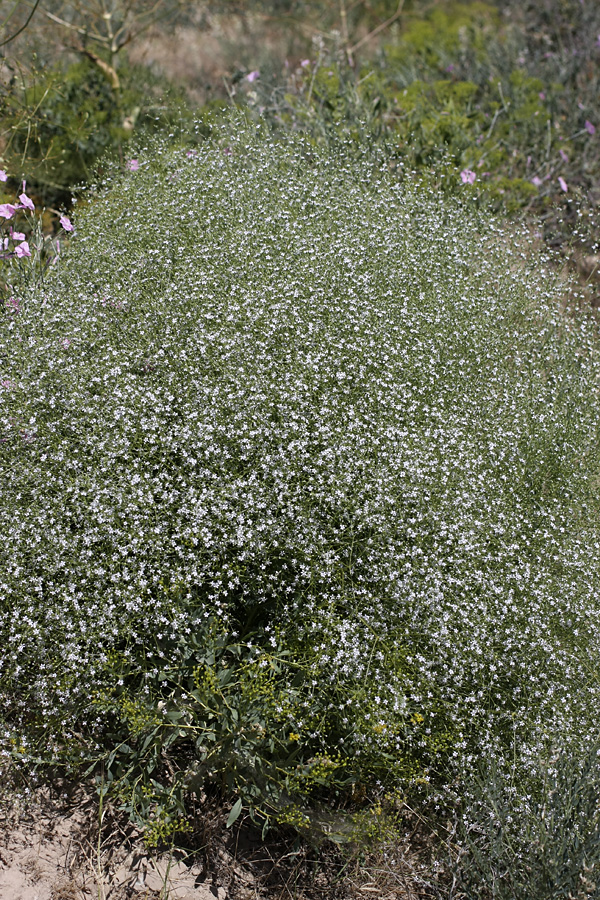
379 28
23 27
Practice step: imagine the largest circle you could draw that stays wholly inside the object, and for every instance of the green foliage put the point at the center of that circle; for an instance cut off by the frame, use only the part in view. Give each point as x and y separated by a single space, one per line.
435 41
544 848
67 120
246 717
459 89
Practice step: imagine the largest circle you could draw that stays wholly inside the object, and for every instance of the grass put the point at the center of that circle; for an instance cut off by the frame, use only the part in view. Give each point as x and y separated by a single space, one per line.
300 494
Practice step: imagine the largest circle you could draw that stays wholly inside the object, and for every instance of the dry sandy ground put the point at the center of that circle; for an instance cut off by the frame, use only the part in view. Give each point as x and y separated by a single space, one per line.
52 848
49 850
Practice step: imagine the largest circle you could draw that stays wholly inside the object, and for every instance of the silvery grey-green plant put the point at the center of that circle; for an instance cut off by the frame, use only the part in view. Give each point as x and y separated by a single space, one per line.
303 401
544 844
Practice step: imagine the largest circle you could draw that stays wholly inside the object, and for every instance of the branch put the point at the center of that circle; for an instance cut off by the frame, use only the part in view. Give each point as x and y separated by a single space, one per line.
62 22
23 27
106 68
379 28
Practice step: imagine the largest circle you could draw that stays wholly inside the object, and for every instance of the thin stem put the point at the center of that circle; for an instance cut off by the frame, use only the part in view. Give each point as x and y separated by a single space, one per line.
379 28
23 27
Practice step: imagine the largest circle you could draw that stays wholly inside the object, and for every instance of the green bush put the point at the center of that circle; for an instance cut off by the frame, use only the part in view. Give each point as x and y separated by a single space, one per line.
68 120
299 489
464 87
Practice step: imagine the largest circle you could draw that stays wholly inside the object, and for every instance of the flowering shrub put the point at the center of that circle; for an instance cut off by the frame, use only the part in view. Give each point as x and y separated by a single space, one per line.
299 488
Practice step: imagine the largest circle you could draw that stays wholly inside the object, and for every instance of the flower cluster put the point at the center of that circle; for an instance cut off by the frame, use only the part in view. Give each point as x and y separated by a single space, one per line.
15 239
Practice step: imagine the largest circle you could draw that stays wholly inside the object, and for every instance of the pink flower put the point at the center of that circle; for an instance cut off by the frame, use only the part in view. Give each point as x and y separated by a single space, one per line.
563 184
591 129
27 202
3 175
23 250
537 181
542 95
252 76
66 223
133 165
306 62
13 302
7 210
66 342
467 176
563 155
16 235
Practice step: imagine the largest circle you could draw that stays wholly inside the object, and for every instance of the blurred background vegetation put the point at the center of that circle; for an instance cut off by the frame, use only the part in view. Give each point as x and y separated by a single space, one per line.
506 92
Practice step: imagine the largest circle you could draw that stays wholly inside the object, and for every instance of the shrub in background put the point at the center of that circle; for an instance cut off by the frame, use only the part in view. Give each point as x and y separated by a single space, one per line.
463 87
66 120
299 496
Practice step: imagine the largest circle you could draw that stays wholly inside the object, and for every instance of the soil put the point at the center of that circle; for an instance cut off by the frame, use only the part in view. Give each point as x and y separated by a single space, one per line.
51 848
55 845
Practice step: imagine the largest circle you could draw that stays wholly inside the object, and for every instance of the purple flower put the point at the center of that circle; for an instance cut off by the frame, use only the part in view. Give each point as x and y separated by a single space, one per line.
563 184
13 302
537 181
133 165
16 235
563 155
3 175
27 202
542 95
23 250
7 210
252 76
66 223
467 176
591 129
306 62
